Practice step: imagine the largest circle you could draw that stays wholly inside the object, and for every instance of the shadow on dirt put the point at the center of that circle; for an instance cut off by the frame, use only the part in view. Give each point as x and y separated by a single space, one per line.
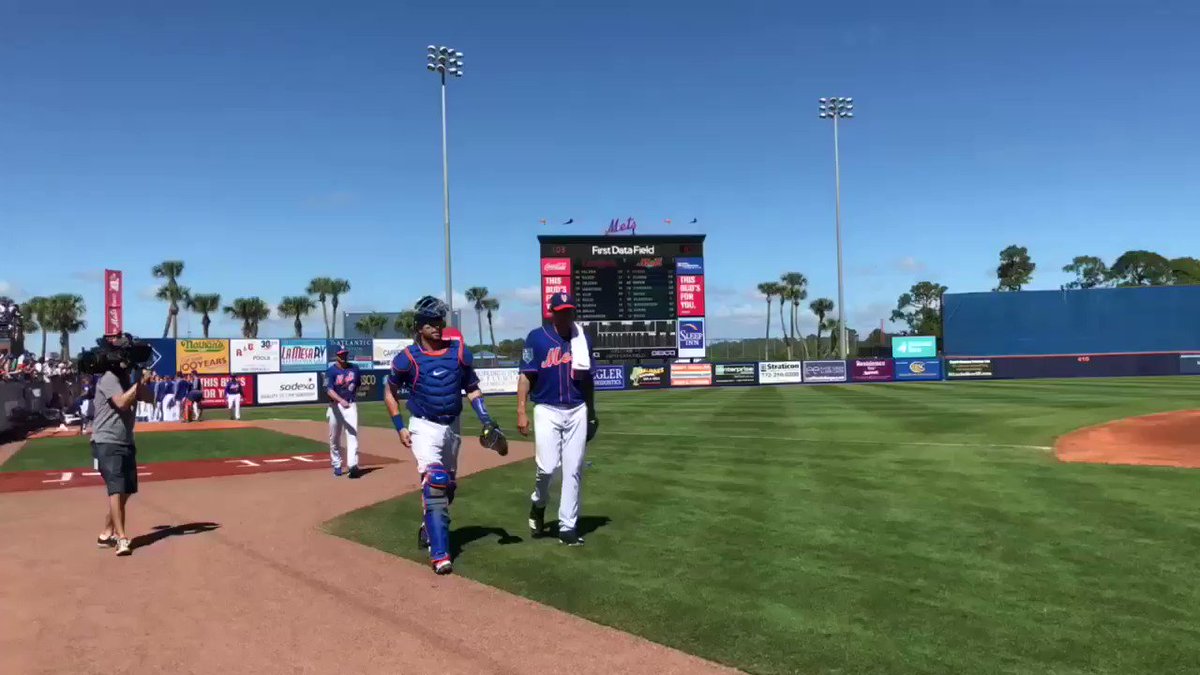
163 531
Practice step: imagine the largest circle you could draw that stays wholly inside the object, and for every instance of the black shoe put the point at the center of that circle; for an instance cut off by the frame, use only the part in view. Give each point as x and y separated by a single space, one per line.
537 520
569 538
422 538
354 472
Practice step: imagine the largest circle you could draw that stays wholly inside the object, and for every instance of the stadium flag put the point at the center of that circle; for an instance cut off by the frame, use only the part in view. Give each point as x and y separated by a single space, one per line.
114 305
542 221
667 221
570 221
695 220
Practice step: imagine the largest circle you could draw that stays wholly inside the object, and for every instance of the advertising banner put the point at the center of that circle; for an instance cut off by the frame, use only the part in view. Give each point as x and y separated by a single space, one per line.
301 355
497 380
957 369
918 369
648 377
872 370
202 356
254 356
1189 364
780 372
360 351
114 293
691 374
370 386
735 374
213 387
276 388
690 338
556 278
914 347
824 371
609 378
1085 365
163 360
689 294
383 350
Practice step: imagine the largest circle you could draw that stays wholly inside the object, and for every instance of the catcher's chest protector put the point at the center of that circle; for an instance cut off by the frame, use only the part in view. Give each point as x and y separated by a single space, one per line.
437 380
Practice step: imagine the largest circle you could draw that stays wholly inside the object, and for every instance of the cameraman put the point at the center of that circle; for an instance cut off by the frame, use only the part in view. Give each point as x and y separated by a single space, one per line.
118 389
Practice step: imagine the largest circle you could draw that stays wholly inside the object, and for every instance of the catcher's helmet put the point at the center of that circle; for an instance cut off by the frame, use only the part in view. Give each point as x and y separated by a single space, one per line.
430 308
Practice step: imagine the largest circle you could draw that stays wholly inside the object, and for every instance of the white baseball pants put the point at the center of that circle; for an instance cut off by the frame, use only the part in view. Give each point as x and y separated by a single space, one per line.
561 440
343 420
170 408
234 402
434 443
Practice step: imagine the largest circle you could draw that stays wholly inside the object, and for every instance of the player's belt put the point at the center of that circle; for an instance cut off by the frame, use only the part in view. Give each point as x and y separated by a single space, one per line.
442 419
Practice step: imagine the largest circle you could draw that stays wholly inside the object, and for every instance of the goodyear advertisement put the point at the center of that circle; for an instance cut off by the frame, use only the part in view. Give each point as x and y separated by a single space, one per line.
735 374
917 369
609 378
648 377
207 357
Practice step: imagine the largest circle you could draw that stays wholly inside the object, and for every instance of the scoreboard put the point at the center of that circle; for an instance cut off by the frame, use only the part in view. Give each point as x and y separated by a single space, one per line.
637 296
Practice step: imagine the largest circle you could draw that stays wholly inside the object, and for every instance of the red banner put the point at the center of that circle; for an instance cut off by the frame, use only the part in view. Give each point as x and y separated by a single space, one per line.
556 278
114 291
213 387
689 293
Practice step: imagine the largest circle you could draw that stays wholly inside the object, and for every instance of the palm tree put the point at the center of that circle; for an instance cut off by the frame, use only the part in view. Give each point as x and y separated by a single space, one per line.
406 322
170 292
339 288
371 324
476 295
797 291
249 311
491 305
821 307
66 312
831 325
204 304
29 324
767 288
320 287
36 311
297 306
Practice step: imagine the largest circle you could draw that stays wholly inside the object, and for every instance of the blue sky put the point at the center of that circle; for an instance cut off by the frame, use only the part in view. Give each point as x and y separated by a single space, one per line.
265 143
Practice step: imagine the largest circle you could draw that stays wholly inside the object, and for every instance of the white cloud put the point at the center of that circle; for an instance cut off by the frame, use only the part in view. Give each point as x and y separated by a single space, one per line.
526 295
11 290
910 265
147 293
90 276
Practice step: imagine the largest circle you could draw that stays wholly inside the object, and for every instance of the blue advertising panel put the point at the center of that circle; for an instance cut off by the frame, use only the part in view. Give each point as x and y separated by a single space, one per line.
609 378
370 387
918 369
301 355
361 353
689 265
824 371
163 361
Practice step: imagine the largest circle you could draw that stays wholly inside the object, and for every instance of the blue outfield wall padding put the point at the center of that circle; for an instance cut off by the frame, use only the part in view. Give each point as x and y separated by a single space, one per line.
1094 321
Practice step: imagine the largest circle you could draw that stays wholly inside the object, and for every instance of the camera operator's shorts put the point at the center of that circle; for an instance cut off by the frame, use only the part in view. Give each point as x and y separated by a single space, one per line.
118 467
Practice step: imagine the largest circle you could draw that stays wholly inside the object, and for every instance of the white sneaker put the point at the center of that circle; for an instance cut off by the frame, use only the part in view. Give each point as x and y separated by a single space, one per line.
123 547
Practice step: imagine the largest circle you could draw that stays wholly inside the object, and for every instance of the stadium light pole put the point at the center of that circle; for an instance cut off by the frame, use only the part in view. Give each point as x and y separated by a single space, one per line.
444 61
835 108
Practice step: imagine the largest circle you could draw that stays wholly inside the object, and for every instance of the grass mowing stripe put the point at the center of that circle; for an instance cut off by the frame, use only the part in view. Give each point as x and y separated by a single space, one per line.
810 439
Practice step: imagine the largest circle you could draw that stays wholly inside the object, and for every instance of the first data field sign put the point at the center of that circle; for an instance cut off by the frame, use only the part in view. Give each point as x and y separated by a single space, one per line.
917 347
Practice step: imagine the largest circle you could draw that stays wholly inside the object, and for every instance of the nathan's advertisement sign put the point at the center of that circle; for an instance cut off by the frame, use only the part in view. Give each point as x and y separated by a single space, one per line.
691 374
498 380
360 350
609 378
202 356
213 388
872 370
647 377
287 388
780 372
383 350
690 338
254 356
961 369
918 369
302 355
735 374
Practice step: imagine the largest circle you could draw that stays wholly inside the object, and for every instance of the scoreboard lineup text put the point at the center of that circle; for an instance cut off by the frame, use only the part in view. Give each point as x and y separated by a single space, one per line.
637 296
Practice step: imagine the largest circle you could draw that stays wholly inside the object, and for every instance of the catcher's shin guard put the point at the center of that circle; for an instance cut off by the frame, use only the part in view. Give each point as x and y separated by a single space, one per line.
437 487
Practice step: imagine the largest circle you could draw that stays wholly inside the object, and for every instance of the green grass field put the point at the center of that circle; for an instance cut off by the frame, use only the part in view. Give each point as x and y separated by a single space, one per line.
909 528
57 454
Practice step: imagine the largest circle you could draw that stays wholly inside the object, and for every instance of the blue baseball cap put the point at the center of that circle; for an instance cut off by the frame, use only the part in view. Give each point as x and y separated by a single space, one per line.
341 349
561 301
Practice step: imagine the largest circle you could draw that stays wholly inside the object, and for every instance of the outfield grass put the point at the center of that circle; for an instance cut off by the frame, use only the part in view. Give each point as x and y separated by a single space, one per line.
74 452
909 528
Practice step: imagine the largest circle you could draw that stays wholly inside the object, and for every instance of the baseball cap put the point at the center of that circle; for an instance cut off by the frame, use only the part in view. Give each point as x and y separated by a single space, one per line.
341 349
561 301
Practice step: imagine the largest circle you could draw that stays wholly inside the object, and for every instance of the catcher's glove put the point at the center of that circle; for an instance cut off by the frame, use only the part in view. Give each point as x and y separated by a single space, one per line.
593 425
493 439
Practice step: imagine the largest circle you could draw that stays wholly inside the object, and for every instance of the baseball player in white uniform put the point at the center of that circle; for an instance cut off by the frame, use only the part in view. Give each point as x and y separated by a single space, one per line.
233 398
341 382
556 372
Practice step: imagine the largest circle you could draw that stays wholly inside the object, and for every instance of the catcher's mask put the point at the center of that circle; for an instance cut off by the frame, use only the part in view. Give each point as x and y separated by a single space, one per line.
430 310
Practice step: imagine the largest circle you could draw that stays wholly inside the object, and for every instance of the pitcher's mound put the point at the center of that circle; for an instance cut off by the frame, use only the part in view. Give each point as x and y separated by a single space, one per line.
1166 439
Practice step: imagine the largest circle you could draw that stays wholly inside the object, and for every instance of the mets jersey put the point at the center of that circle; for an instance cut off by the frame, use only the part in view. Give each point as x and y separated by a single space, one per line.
437 380
548 355
233 387
343 381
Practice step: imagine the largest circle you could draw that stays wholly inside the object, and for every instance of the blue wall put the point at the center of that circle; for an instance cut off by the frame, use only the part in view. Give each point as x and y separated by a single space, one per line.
1095 321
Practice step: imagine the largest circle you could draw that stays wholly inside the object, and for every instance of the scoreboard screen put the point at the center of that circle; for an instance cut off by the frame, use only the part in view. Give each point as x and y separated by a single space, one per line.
637 296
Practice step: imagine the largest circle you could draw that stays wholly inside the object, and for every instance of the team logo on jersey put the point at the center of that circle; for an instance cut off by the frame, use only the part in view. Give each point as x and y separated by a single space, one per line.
556 357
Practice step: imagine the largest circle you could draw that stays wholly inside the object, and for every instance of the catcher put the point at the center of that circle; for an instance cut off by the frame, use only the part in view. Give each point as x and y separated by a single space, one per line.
436 371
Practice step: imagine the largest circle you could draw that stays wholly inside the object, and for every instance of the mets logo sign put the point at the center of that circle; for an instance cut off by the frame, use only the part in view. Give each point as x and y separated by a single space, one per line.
691 334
